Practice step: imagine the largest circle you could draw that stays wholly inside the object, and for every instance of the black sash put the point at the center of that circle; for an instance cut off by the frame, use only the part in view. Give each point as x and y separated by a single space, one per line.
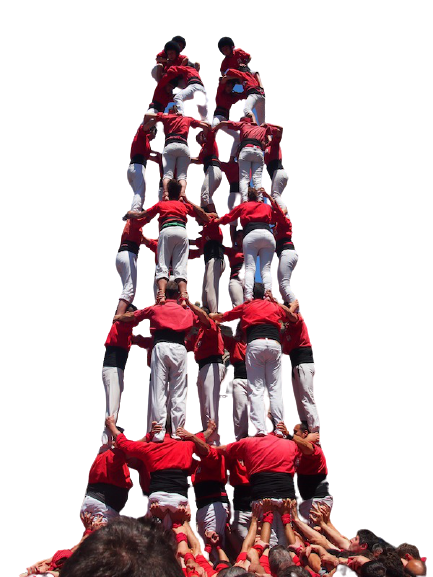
169 336
114 497
274 165
115 357
270 485
263 331
139 159
254 226
301 355
169 481
313 486
130 246
283 244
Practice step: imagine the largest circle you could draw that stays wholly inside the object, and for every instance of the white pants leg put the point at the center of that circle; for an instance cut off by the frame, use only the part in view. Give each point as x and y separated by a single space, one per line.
240 408
212 180
95 507
172 249
257 102
287 262
212 517
302 381
168 378
188 94
263 362
280 179
241 523
250 161
168 502
136 178
236 292
306 506
214 268
176 156
209 381
112 378
126 265
258 243
233 133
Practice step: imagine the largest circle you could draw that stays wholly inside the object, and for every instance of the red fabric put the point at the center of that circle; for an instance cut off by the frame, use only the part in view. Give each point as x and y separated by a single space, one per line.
110 467
273 151
248 80
259 548
204 564
187 72
249 130
120 335
59 558
141 143
295 336
314 464
231 170
238 56
242 557
181 537
143 473
87 532
251 211
170 209
210 231
283 227
237 472
169 316
264 562
286 518
237 349
256 312
268 517
269 453
161 95
227 99
209 148
132 230
177 124
188 556
209 342
210 468
176 62
235 255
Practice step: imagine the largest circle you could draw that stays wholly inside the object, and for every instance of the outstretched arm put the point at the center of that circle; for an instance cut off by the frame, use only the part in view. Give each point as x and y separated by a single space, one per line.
201 314
201 448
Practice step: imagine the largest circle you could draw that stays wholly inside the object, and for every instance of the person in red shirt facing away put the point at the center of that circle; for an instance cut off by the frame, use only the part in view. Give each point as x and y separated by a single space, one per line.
208 353
168 462
173 243
193 84
256 218
233 57
208 156
162 96
237 269
285 249
140 154
117 346
260 320
170 56
224 99
252 86
237 348
168 377
253 141
297 344
311 472
274 165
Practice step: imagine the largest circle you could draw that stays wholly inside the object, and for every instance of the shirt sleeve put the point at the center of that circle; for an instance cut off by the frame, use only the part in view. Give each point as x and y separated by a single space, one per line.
236 74
195 123
233 125
235 450
152 211
144 342
232 215
235 313
131 448
143 314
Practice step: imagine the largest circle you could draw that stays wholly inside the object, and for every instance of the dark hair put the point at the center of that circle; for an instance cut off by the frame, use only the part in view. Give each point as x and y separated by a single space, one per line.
369 538
303 427
174 189
172 289
179 40
153 130
131 308
391 560
373 569
279 558
205 309
258 290
125 548
294 570
225 41
232 572
407 549
252 193
172 46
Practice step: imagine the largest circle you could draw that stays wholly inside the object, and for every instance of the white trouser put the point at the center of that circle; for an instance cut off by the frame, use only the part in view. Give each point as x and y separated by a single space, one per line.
263 362
95 507
287 262
213 517
168 380
213 270
188 94
112 377
233 133
136 178
212 180
280 179
258 243
126 265
257 102
250 161
209 381
241 522
306 506
302 381
176 156
167 502
240 408
236 291
173 249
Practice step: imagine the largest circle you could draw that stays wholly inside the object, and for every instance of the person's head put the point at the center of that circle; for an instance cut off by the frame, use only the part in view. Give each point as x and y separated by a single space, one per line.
125 548
232 572
253 194
226 331
239 237
201 138
364 539
131 308
408 552
279 558
293 571
259 290
391 560
226 45
172 290
180 41
373 569
171 50
152 132
415 567
173 188
300 430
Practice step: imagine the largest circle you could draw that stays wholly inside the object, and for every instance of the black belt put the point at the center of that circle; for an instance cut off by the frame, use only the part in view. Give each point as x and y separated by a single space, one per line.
274 165
234 186
115 357
175 138
211 161
221 111
252 141
194 81
270 485
130 246
114 497
263 331
207 492
235 270
284 244
313 486
242 498
169 336
254 226
210 360
169 481
256 91
139 159
301 355
213 249
240 370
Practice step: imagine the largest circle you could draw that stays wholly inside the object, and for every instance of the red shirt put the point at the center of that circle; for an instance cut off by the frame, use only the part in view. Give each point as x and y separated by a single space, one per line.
235 256
176 62
143 473
237 472
177 124
256 312
110 467
141 143
238 56
273 151
120 335
269 453
168 316
226 100
209 342
132 230
211 231
250 131
188 73
170 210
249 81
295 336
314 464
237 349
284 225
210 468
161 96
209 148
251 211
231 170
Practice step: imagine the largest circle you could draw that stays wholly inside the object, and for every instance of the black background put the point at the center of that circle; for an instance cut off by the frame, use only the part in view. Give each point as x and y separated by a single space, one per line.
353 281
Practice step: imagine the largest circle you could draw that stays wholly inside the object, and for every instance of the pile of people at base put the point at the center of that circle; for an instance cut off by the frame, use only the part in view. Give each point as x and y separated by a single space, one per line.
261 532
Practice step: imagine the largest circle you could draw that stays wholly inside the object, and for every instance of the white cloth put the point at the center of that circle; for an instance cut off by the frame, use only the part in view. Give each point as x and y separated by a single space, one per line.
126 265
169 502
302 381
213 517
236 291
95 507
263 362
188 94
240 408
212 180
258 243
136 177
175 156
241 523
306 506
213 270
250 161
233 133
112 378
209 381
168 380
257 102
173 249
280 179
287 262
